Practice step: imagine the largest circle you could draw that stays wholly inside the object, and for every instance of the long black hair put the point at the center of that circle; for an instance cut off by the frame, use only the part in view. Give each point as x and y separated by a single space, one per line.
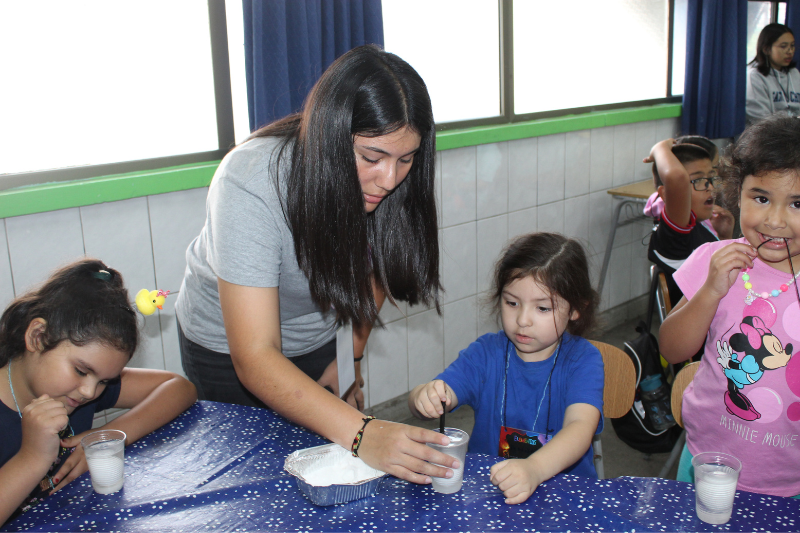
340 248
767 37
83 302
556 262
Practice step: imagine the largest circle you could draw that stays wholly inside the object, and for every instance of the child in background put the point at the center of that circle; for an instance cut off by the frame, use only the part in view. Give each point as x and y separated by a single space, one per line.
741 304
537 380
63 349
685 178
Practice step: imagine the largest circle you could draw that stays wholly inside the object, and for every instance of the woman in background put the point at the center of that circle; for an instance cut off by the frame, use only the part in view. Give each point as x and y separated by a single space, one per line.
773 82
311 223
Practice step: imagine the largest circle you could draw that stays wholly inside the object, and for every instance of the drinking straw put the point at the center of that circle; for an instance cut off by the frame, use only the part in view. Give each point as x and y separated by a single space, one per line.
441 420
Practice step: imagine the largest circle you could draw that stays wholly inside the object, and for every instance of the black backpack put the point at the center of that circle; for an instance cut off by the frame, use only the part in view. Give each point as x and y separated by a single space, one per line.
635 428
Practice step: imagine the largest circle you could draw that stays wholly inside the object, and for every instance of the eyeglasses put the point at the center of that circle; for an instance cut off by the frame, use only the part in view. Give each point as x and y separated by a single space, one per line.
702 184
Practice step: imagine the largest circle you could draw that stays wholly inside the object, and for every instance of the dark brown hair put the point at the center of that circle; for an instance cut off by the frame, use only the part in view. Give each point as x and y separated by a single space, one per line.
557 262
770 145
339 247
83 302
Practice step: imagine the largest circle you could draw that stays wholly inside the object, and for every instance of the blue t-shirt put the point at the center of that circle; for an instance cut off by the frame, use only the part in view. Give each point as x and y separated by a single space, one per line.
478 376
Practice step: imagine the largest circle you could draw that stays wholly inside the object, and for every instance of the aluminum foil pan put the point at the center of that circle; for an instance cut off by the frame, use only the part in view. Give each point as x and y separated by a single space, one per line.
304 464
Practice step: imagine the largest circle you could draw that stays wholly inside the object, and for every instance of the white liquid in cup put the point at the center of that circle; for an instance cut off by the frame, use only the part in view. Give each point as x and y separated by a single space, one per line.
715 479
105 457
457 449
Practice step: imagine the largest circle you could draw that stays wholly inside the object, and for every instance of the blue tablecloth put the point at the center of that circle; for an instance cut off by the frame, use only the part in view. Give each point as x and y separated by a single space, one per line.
219 467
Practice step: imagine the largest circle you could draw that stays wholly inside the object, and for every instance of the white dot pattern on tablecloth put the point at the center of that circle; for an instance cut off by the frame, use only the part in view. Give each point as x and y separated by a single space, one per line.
229 477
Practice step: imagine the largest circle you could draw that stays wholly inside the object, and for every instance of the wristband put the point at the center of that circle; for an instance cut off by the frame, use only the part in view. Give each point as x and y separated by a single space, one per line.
357 359
359 435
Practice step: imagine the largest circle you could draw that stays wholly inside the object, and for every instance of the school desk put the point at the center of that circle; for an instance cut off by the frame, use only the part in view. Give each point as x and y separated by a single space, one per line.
219 467
632 198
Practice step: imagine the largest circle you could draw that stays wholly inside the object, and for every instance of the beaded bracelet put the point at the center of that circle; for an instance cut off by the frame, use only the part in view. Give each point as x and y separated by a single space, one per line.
359 435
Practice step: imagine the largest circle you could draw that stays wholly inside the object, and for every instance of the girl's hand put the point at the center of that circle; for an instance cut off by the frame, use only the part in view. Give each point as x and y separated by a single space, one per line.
75 464
356 396
400 450
726 263
429 398
666 144
42 420
722 220
517 478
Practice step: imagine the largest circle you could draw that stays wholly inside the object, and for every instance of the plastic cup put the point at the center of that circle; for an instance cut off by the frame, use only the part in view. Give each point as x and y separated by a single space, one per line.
105 454
457 449
715 477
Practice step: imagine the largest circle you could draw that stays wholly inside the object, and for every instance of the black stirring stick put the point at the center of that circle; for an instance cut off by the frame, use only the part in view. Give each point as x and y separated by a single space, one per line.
441 420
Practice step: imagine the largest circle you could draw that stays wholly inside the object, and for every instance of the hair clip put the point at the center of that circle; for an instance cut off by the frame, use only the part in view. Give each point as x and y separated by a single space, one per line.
148 301
103 275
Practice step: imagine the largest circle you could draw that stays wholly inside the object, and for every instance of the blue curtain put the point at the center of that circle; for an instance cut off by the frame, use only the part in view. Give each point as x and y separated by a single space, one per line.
714 93
793 21
289 43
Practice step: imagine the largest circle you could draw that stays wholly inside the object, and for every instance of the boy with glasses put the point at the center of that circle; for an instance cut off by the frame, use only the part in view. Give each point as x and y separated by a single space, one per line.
686 180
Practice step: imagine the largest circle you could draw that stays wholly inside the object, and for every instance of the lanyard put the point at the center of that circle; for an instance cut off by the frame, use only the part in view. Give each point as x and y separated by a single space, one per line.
547 389
788 86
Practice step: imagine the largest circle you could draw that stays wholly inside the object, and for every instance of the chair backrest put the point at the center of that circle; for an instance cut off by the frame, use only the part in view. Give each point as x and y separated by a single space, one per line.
620 380
662 284
682 380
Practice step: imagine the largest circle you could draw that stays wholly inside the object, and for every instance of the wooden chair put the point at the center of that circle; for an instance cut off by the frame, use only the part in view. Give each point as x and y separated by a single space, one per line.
679 384
618 392
682 380
659 286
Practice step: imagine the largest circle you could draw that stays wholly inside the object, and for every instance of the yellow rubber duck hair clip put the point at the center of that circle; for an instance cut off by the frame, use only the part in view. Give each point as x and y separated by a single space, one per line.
148 301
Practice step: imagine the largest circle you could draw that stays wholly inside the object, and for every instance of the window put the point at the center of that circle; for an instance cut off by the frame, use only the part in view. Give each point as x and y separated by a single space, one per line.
455 47
563 54
759 14
579 53
102 87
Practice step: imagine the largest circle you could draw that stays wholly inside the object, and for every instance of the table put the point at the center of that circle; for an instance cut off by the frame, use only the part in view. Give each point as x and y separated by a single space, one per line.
633 197
219 467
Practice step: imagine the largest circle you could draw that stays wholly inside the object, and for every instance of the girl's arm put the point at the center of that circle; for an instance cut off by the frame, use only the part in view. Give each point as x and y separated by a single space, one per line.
425 401
677 190
252 325
685 329
758 101
519 478
153 397
42 419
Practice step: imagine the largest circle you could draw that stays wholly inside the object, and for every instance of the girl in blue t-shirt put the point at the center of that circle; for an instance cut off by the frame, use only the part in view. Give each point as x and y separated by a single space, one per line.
63 351
535 381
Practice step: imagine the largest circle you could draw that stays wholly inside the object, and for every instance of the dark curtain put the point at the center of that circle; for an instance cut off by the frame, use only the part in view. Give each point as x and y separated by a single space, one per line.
793 21
289 43
714 93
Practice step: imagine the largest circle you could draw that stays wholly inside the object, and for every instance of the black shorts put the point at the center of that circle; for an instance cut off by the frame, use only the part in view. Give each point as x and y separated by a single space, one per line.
214 376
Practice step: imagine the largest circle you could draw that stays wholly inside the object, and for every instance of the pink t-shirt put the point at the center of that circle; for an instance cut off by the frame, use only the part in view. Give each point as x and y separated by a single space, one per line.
760 421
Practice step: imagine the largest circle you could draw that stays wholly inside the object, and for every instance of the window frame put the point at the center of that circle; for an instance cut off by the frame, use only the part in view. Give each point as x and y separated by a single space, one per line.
218 35
507 115
167 166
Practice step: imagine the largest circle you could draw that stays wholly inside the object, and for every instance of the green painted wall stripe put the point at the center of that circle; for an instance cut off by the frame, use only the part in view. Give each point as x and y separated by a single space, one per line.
448 140
63 195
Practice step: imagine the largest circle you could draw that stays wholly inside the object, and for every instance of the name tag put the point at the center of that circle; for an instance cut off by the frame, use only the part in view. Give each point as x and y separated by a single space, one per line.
518 443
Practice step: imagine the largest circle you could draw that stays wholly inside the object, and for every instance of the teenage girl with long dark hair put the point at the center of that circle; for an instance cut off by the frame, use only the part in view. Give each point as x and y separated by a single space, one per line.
311 223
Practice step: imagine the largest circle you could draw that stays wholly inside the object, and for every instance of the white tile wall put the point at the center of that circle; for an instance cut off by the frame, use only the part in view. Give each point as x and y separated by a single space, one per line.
487 195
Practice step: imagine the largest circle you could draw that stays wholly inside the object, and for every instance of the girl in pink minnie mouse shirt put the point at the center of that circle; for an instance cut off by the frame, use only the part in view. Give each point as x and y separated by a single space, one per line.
742 304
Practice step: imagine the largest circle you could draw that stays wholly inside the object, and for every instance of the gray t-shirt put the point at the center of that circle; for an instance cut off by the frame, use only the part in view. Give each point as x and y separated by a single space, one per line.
247 241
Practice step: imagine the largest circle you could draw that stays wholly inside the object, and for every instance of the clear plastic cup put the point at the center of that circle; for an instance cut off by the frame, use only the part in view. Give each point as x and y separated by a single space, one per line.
105 454
715 477
457 449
